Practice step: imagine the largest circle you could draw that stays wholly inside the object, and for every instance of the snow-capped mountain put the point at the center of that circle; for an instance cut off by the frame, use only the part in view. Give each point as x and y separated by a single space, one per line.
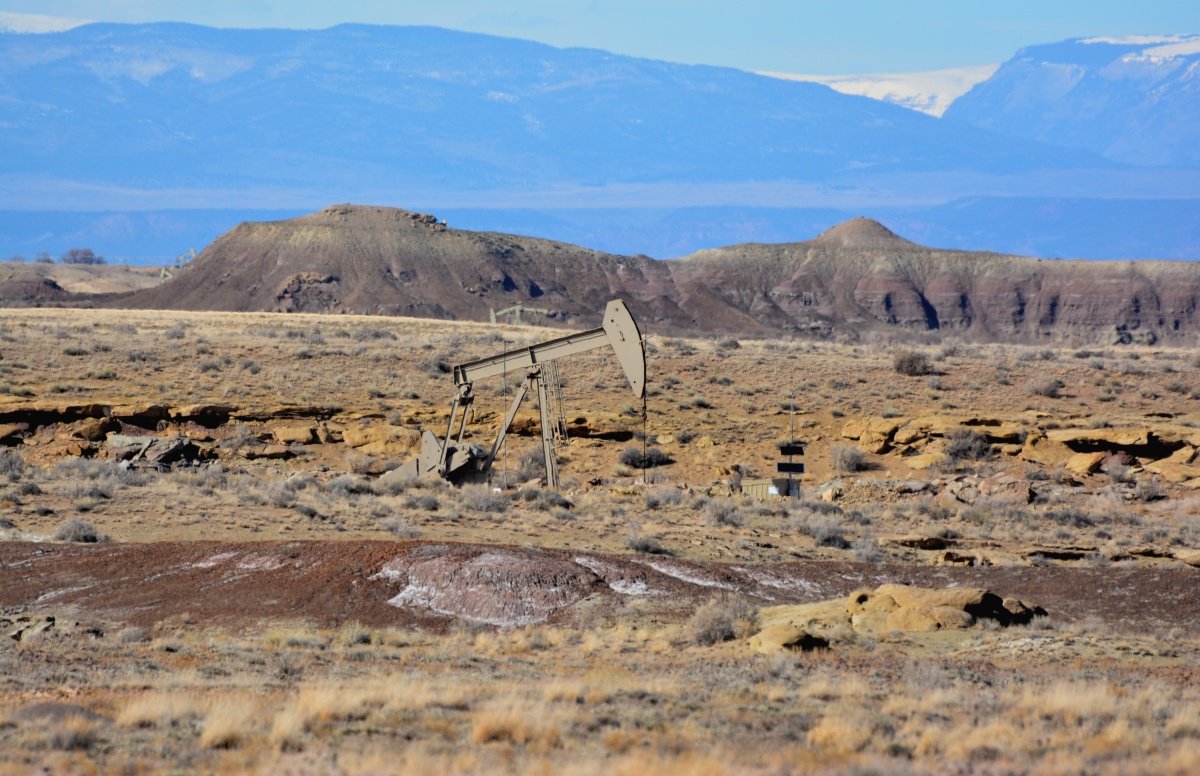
36 23
1135 99
930 92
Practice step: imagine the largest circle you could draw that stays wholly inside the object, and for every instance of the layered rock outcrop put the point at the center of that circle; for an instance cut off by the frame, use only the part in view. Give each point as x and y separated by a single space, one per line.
856 276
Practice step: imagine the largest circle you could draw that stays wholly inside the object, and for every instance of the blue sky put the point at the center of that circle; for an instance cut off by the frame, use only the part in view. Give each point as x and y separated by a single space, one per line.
799 36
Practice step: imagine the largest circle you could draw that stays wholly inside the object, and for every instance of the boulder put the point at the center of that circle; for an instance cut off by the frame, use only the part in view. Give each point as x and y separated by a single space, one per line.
94 429
908 435
1150 552
1174 472
855 429
1085 439
80 449
832 612
269 452
203 413
195 431
966 495
1085 463
786 637
11 431
923 542
1007 487
1178 435
122 447
142 413
935 425
923 461
285 412
296 433
522 425
1003 434
912 619
382 440
870 622
90 410
1045 451
1020 611
162 452
930 598
1190 557
1185 455
870 602
888 608
877 435
328 433
956 558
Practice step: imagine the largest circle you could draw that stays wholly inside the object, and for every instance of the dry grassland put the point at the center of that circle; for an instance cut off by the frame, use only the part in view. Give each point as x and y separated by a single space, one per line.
631 697
634 693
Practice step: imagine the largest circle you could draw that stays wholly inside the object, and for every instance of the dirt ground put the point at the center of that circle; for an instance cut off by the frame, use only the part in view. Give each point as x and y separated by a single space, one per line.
266 603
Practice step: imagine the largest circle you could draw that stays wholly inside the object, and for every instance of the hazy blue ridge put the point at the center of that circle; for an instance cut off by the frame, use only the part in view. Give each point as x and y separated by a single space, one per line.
1123 101
170 105
141 141
1042 227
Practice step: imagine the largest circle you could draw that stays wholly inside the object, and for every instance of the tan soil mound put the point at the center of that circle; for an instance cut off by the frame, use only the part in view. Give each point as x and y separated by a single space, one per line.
861 233
31 291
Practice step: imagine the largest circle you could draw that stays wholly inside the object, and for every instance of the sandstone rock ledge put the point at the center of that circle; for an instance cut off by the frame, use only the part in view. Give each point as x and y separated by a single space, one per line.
889 608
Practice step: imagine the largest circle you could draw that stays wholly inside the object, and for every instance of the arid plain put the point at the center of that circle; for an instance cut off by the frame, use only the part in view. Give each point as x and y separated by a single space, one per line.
262 601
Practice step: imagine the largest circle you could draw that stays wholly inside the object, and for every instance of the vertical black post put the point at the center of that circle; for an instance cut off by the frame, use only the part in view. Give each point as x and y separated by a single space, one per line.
791 437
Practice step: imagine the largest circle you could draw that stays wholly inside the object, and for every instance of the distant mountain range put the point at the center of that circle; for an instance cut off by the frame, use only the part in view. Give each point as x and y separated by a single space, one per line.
36 23
1135 100
140 139
930 92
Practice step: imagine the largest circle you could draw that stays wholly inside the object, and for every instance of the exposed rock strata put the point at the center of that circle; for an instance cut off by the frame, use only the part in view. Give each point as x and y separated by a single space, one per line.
858 275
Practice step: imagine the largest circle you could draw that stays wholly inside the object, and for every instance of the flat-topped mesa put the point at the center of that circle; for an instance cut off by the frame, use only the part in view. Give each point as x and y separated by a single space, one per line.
370 216
861 233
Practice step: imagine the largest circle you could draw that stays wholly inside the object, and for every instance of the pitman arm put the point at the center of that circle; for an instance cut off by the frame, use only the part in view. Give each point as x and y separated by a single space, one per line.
619 331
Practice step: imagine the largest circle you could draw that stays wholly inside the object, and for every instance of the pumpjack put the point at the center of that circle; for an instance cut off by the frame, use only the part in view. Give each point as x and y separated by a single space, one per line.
461 463
168 272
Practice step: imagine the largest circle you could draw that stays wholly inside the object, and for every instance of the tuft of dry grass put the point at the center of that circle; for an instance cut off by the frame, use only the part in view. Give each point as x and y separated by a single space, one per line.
229 723
73 733
842 733
161 710
516 721
721 618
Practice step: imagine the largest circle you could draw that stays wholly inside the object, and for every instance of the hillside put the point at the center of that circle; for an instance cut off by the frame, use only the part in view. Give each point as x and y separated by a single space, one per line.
856 276
860 275
385 261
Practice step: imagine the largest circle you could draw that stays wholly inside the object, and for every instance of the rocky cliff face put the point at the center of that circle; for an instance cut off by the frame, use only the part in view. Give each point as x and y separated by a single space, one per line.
856 276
